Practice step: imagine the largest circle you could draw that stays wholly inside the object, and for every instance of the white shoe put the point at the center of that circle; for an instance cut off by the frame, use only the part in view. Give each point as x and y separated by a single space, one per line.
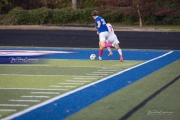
100 58
110 54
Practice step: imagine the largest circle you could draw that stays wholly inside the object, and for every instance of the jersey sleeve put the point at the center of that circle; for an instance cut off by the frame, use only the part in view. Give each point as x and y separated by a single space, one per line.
110 28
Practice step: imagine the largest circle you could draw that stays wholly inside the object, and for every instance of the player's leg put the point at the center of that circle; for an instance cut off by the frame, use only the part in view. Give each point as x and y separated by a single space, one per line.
110 51
109 48
101 47
102 43
116 42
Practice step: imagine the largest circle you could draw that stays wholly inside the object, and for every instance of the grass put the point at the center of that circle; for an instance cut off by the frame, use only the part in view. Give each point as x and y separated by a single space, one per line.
121 102
21 80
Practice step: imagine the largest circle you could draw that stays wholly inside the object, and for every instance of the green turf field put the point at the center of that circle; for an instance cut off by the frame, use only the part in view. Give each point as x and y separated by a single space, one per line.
161 106
25 85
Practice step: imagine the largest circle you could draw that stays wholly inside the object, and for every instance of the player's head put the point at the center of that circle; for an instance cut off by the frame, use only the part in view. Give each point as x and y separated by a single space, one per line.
94 13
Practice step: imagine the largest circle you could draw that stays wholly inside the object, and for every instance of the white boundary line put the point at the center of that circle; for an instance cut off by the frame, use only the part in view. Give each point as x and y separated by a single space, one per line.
78 89
45 93
24 100
29 75
32 89
35 96
8 110
14 105
33 75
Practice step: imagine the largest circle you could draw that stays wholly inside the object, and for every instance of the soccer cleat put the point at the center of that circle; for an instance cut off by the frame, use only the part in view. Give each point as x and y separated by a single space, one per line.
121 58
100 58
110 54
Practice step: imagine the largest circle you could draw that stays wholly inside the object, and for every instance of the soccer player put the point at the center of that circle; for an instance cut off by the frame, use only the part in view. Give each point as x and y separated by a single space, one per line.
114 41
102 30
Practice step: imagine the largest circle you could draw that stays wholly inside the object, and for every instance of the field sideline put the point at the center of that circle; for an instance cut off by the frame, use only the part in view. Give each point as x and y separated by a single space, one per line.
90 83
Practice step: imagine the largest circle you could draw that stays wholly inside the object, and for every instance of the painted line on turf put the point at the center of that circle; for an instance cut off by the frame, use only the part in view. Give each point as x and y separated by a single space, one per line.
144 102
14 105
97 74
112 68
35 96
45 93
32 89
78 81
108 70
56 86
78 89
69 83
48 75
51 66
89 77
33 75
24 100
8 110
102 72
85 78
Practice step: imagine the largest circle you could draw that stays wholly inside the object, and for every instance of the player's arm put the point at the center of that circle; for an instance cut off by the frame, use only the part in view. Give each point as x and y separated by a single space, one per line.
110 28
98 24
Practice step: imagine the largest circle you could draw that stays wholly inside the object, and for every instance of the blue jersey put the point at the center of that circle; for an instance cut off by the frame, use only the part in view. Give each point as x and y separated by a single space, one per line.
103 26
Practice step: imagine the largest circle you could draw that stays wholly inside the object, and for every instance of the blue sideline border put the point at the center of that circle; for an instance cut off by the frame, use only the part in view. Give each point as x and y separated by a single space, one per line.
80 99
84 54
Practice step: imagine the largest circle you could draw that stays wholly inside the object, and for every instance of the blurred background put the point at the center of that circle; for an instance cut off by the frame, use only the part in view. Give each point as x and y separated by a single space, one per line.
123 12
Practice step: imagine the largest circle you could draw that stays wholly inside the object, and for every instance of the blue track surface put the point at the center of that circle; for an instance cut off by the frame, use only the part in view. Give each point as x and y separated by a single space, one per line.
85 53
82 98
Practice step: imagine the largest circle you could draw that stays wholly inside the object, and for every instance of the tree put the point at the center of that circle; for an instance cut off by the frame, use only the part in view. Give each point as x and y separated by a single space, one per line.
3 4
143 8
139 8
74 4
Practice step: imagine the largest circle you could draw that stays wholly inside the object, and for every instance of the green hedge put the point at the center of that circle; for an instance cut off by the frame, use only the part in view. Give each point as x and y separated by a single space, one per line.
19 16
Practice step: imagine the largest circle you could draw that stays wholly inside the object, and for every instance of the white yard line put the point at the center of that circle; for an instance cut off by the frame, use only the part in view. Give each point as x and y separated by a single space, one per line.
55 93
109 70
32 75
70 86
35 96
43 89
78 89
97 74
112 68
78 81
102 72
24 100
14 105
69 83
56 86
85 78
90 77
8 110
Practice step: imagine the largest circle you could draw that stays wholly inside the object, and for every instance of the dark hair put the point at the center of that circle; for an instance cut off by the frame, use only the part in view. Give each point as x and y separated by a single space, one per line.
94 13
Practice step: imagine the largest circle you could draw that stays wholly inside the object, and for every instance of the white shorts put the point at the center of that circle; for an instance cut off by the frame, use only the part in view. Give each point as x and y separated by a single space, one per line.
114 41
103 36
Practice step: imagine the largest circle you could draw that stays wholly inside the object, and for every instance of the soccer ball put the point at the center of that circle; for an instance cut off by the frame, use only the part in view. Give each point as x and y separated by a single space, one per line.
92 56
